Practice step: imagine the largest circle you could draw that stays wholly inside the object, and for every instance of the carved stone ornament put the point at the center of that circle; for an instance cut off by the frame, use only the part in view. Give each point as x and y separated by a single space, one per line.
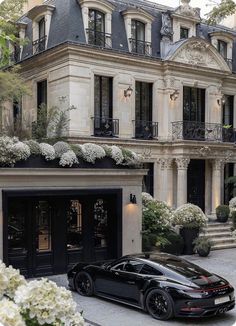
186 10
146 152
166 29
218 164
204 151
165 163
182 163
195 53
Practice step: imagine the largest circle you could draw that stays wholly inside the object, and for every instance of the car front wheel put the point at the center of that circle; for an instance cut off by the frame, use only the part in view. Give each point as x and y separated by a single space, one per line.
159 304
84 284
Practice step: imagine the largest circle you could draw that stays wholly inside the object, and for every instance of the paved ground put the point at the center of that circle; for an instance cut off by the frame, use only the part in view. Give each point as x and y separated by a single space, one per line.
105 313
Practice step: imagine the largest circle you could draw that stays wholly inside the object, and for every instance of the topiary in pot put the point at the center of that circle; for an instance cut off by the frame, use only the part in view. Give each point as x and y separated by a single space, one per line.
202 246
222 213
175 245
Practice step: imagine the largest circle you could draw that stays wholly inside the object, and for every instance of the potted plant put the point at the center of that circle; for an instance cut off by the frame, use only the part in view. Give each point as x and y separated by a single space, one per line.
202 246
233 216
191 219
175 245
222 213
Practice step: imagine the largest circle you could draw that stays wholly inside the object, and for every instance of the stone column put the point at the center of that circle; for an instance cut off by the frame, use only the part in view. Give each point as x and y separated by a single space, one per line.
166 178
182 176
216 184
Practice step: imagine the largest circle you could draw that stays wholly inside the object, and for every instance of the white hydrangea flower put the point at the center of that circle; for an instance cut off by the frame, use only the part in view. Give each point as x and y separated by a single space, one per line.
116 154
7 155
189 215
48 151
147 197
34 147
61 148
21 150
68 159
10 314
92 152
44 302
232 205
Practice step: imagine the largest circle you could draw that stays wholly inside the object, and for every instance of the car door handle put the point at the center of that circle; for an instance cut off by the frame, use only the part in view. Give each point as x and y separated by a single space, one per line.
116 273
131 282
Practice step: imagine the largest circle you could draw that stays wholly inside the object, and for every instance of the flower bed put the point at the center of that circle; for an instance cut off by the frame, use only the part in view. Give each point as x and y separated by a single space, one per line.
38 302
14 153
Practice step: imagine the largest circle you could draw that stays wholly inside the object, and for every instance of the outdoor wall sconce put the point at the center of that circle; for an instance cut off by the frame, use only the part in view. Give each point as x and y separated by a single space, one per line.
133 199
221 101
174 95
128 92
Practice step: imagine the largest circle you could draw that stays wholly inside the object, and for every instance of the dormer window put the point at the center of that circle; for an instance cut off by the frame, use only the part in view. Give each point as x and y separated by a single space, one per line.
96 30
222 48
137 40
39 44
184 33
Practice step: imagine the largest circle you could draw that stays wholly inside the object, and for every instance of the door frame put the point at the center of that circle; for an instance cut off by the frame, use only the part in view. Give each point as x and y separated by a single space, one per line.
55 193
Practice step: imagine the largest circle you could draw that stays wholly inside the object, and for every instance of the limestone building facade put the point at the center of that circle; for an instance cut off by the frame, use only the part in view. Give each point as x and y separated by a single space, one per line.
152 78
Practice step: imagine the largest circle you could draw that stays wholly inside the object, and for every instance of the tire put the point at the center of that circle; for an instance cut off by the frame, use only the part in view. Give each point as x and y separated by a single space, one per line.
84 284
159 304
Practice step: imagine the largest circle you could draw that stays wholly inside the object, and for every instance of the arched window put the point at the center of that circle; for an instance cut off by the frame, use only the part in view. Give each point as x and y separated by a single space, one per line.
96 30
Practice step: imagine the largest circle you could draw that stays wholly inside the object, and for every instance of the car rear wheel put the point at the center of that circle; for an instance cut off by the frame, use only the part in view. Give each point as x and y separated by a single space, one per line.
159 304
84 284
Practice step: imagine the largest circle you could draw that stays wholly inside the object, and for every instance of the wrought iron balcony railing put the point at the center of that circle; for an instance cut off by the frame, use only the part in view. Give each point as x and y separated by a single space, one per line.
201 131
99 38
105 127
145 129
39 45
229 62
140 47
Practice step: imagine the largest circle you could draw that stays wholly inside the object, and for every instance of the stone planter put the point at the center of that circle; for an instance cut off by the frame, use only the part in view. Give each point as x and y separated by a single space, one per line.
37 162
189 235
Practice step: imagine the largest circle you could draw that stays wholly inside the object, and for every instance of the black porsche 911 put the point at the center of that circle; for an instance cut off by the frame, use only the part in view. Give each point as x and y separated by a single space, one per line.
163 285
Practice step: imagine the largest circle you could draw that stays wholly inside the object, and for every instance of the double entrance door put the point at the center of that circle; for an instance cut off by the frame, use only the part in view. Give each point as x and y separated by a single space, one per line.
47 235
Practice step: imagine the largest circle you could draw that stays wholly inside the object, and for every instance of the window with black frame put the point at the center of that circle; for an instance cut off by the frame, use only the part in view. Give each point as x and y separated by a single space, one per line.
184 33
148 179
74 226
96 28
222 48
39 44
138 44
228 133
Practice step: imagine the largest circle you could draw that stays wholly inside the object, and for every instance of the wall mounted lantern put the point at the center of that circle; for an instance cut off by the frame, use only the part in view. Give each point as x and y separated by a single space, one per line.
174 95
128 92
133 199
222 100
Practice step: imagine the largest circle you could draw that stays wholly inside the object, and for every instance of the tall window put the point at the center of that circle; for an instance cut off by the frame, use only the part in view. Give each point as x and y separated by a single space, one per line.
41 93
228 110
103 97
222 48
148 179
184 32
138 37
194 104
42 28
96 31
143 101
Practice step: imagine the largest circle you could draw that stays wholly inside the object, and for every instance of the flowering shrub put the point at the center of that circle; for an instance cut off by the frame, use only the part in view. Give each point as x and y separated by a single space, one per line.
34 147
48 151
146 197
189 216
116 154
61 148
130 157
7 155
21 151
232 205
10 314
68 159
43 302
92 152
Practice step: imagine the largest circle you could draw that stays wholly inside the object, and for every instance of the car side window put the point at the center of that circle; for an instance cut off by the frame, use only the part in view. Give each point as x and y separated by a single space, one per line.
149 270
119 267
133 266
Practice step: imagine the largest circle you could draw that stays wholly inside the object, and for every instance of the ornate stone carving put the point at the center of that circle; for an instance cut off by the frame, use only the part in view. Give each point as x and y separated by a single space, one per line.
228 156
146 152
182 162
165 163
166 29
218 164
186 10
204 151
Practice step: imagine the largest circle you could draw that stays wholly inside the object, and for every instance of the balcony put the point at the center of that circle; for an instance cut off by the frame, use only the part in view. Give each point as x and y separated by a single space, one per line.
229 63
105 127
98 38
140 47
145 129
201 131
39 45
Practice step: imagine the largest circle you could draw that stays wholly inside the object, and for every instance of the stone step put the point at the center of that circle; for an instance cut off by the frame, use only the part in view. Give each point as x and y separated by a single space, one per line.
223 246
219 234
217 230
223 240
217 224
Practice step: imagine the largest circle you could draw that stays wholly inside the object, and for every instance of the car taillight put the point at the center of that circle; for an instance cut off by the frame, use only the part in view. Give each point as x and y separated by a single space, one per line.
191 309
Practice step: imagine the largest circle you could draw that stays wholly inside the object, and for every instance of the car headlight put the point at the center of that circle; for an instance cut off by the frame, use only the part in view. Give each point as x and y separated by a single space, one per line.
196 294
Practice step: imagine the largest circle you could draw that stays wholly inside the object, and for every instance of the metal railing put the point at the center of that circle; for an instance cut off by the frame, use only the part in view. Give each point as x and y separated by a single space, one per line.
39 45
105 127
229 62
99 38
140 47
145 129
201 131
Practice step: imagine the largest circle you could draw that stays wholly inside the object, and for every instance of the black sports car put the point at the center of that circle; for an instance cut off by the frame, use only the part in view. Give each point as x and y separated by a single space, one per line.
162 284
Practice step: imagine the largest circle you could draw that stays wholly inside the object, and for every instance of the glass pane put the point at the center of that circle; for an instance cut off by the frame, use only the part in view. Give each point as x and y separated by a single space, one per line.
16 228
222 48
100 224
43 227
140 31
42 28
74 226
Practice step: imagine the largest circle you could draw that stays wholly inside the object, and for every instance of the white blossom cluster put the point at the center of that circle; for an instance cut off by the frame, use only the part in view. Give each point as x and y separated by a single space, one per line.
232 205
189 215
68 159
146 197
117 155
92 152
12 150
45 303
10 314
47 151
34 147
61 148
